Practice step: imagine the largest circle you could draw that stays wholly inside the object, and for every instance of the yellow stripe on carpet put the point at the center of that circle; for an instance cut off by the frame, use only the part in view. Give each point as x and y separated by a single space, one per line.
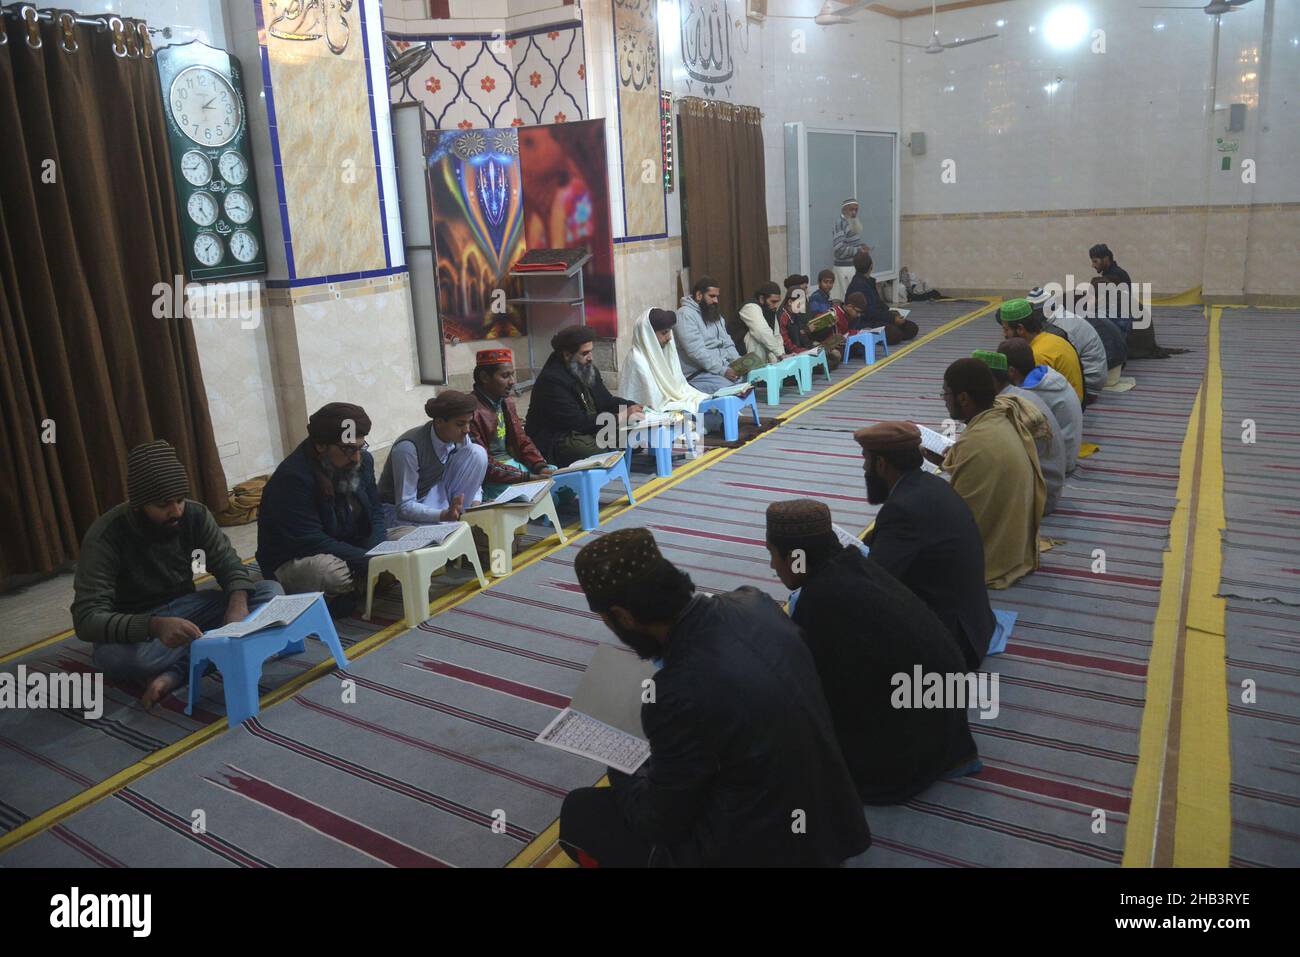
1179 814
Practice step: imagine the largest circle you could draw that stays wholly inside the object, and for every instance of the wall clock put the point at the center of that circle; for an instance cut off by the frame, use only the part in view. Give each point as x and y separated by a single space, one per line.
212 161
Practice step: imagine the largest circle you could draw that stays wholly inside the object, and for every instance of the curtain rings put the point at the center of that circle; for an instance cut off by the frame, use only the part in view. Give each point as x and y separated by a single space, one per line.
118 27
132 42
68 31
28 14
142 35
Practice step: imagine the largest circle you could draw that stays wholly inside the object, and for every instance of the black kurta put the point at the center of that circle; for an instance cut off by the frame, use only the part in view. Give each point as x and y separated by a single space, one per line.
864 626
744 768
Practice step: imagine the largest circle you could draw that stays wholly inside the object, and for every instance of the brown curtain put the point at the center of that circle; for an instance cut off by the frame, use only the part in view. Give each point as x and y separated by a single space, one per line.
88 225
724 196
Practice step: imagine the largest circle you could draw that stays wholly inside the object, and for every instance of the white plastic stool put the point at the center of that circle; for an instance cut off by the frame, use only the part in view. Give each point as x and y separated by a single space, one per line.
414 569
503 523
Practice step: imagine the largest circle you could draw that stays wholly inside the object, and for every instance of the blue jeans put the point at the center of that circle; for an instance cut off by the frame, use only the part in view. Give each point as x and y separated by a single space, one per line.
140 662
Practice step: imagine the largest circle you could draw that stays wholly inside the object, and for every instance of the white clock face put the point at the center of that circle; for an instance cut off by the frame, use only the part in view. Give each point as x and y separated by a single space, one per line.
233 168
239 208
196 168
202 208
243 245
204 106
207 249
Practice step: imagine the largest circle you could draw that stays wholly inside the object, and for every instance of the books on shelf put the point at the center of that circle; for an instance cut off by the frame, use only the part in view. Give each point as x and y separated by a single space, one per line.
279 611
423 536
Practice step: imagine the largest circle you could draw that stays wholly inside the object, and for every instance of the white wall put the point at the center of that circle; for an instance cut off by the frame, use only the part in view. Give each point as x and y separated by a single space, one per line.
836 77
1123 128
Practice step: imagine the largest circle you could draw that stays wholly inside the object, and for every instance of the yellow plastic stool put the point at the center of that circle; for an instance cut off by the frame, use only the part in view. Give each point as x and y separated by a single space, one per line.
503 523
414 569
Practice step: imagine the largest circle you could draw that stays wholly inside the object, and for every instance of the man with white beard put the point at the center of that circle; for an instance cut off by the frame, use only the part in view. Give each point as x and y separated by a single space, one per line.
846 242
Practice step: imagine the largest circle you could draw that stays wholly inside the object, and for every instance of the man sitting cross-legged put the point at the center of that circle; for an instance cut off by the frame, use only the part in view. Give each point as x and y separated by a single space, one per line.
512 456
926 536
877 314
762 325
1020 320
705 343
863 626
435 470
320 511
994 467
571 405
744 768
1049 385
1051 448
134 596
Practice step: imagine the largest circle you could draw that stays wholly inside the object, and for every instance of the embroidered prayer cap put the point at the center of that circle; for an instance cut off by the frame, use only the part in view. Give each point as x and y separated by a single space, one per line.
572 338
450 405
1014 310
661 319
886 436
615 562
794 279
329 422
994 360
799 519
154 474
1038 296
493 357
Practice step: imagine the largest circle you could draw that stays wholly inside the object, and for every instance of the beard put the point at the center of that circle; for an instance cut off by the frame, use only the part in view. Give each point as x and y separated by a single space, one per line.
877 490
346 480
584 373
160 532
768 314
643 645
711 312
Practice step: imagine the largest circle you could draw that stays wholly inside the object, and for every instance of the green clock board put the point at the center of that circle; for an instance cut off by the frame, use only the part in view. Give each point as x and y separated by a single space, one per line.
212 162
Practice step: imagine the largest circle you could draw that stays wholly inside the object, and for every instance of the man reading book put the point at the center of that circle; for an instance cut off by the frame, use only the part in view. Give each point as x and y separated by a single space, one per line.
570 402
434 470
741 741
496 426
705 344
133 595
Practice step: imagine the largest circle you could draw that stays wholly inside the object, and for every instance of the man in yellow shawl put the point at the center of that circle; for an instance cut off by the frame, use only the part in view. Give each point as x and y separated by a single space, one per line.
994 467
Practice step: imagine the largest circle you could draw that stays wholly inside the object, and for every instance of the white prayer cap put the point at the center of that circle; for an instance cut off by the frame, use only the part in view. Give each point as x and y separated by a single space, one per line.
1038 296
849 202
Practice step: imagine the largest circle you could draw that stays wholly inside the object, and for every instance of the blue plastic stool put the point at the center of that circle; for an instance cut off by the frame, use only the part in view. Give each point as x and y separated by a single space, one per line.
773 375
588 484
868 339
240 659
661 444
805 362
729 407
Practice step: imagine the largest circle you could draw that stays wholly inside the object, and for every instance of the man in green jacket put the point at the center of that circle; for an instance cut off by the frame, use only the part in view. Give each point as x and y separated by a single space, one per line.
134 589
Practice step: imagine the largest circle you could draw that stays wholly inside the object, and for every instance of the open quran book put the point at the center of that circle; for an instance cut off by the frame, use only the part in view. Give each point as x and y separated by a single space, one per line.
603 720
423 536
604 460
279 611
523 494
740 388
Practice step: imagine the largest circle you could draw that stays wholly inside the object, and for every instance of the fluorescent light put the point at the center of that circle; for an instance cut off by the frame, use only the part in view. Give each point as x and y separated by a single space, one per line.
1065 27
1158 26
1000 23
1052 87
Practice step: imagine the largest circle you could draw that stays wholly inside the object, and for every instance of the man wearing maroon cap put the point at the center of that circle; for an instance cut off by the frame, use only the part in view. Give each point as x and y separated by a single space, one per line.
926 535
512 456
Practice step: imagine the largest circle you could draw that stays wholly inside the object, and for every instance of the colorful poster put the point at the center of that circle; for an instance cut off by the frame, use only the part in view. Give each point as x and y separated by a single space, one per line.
566 204
477 231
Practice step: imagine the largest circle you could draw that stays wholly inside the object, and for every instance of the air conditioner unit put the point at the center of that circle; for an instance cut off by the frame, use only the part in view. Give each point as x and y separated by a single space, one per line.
756 10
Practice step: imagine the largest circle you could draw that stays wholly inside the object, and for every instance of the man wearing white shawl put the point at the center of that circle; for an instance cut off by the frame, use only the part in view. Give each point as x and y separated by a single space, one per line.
653 377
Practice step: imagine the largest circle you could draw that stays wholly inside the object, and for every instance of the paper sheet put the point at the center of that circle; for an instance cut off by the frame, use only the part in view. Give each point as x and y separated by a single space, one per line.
582 734
422 537
936 442
280 610
848 538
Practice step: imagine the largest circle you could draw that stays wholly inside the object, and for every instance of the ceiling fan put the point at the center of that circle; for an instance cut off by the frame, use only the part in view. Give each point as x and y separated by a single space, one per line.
829 15
1214 8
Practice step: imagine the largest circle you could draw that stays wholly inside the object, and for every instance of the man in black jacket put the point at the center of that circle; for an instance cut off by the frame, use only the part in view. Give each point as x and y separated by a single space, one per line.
865 628
877 314
926 535
320 511
570 405
744 768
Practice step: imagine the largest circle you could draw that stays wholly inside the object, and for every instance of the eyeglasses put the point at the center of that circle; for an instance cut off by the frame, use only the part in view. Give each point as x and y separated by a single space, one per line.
350 450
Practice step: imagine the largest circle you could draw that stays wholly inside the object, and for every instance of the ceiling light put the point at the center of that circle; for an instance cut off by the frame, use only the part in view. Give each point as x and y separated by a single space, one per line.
1066 27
